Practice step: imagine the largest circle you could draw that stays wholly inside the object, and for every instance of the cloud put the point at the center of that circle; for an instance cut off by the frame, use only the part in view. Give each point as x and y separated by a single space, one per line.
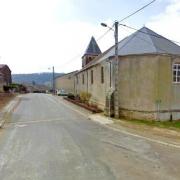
167 23
33 39
37 34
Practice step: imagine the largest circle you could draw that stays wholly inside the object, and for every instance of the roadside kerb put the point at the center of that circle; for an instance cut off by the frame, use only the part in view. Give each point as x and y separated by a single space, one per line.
105 121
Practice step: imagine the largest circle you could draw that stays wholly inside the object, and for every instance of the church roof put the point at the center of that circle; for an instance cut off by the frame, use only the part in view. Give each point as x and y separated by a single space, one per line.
146 41
93 48
143 41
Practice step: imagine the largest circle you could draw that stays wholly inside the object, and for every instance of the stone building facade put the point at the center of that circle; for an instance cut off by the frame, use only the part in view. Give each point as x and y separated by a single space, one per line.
66 82
149 77
5 76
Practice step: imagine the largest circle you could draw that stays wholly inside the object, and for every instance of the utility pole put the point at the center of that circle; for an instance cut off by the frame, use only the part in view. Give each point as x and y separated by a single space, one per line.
116 73
115 70
53 80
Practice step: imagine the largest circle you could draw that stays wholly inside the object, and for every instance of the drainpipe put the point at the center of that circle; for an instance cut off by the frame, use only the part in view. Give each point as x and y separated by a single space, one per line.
87 80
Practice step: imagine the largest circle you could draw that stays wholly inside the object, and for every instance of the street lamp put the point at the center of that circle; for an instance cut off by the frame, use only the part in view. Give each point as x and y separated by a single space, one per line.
116 68
105 25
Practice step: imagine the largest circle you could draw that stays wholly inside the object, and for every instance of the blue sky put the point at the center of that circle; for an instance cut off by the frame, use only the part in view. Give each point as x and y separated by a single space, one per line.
38 34
98 11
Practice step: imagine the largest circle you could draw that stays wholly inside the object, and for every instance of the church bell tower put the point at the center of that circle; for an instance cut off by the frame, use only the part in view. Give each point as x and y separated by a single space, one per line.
91 52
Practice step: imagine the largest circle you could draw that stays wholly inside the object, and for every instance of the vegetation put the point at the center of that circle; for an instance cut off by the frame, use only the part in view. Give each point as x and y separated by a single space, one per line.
165 124
85 97
71 96
15 88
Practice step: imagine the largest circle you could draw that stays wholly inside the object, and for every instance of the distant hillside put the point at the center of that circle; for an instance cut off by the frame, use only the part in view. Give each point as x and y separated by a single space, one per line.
35 78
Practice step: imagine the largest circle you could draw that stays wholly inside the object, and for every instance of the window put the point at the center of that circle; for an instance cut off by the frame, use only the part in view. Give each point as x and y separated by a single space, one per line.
92 77
176 73
102 74
83 78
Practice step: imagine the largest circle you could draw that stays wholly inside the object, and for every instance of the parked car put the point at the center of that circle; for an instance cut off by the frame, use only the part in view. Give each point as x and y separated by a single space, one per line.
62 93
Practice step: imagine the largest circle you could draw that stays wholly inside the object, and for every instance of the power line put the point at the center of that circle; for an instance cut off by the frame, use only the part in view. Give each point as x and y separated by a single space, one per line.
103 35
167 53
157 36
79 55
140 9
127 18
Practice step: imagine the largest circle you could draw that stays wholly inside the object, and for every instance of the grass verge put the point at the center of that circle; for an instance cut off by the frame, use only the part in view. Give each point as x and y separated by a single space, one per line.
160 124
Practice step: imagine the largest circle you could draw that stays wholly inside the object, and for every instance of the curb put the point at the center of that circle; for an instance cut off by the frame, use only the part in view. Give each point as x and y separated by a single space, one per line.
106 122
100 119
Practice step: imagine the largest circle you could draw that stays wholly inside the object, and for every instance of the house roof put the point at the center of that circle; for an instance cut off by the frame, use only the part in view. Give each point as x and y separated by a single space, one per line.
143 41
3 66
93 48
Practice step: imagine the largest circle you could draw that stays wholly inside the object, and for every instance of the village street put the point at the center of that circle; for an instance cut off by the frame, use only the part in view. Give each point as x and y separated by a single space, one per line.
46 138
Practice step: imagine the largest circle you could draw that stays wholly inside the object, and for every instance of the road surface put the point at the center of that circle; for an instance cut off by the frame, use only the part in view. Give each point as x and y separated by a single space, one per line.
46 138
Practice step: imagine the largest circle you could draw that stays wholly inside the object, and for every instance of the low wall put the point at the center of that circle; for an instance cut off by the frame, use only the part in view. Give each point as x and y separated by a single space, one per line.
150 115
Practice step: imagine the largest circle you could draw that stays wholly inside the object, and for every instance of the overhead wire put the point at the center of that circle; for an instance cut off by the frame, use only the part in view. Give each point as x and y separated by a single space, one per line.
157 36
167 53
79 55
104 34
138 10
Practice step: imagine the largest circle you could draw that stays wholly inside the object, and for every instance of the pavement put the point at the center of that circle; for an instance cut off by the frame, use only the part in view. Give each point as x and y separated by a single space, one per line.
47 138
162 136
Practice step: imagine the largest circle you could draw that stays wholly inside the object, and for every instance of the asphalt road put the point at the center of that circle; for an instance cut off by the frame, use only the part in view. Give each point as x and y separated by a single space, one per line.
46 138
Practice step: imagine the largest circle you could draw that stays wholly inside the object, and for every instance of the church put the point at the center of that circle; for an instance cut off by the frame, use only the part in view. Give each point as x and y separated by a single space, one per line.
148 79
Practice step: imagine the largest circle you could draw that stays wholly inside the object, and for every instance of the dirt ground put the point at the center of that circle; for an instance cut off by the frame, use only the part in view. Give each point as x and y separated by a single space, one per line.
5 98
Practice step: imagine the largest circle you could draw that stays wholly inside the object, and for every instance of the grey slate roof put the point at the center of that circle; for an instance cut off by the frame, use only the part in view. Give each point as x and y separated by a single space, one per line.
93 48
143 41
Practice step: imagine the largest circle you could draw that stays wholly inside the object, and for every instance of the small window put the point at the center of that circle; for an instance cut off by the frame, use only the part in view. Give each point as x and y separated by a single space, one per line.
83 78
102 74
176 73
92 77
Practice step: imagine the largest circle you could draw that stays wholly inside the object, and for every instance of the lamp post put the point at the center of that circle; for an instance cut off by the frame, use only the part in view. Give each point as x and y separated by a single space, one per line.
115 68
53 80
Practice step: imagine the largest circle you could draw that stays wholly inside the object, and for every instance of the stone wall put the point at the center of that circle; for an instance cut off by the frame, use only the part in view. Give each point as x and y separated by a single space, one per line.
66 82
6 72
146 88
97 89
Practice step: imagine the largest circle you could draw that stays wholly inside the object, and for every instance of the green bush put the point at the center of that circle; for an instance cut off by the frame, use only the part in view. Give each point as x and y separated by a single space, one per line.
85 97
71 96
15 88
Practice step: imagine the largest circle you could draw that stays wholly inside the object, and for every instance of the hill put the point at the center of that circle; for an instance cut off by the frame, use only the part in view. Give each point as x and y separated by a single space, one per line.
34 78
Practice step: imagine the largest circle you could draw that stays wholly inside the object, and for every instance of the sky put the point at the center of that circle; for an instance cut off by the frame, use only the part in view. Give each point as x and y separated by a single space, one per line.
38 34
